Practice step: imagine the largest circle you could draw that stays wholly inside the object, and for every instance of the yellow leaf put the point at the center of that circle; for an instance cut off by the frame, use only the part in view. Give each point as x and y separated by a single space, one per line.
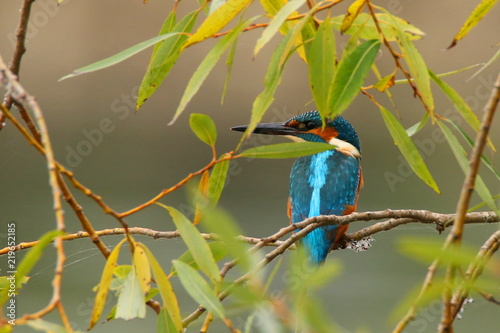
202 196
272 7
477 15
102 291
217 20
166 290
352 12
142 269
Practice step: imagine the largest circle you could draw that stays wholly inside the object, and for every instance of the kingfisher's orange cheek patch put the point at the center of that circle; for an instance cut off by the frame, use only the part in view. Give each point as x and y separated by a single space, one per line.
326 133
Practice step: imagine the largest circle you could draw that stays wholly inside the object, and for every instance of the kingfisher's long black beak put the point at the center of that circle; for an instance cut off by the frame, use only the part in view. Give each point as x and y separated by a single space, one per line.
269 128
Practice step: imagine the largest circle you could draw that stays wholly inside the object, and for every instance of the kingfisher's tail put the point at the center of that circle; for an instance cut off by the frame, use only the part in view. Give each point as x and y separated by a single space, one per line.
319 242
317 246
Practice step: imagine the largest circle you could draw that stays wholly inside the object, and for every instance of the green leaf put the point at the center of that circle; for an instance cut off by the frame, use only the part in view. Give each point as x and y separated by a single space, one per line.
350 76
309 279
222 224
474 18
122 271
461 157
427 249
407 148
112 314
206 67
416 64
196 244
273 273
276 23
218 249
34 254
46 326
29 261
217 20
440 75
142 269
164 322
217 181
287 150
418 126
418 300
352 43
166 291
164 58
482 204
460 104
324 275
492 60
364 25
103 289
119 57
6 280
131 302
314 317
321 60
229 65
204 128
168 26
198 288
471 143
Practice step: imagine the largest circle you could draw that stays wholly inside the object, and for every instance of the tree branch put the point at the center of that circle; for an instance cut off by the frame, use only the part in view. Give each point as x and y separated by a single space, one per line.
396 218
17 92
87 226
15 63
474 270
455 236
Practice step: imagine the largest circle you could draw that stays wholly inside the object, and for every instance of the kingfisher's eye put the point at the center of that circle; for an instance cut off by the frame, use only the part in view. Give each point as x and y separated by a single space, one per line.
310 125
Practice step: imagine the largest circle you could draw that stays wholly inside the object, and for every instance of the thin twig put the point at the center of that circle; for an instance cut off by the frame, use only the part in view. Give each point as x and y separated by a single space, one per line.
410 315
20 47
490 298
87 226
64 317
291 18
395 56
227 156
474 270
15 65
455 236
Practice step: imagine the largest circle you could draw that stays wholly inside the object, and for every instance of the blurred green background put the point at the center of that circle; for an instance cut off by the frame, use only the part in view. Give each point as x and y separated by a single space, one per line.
140 155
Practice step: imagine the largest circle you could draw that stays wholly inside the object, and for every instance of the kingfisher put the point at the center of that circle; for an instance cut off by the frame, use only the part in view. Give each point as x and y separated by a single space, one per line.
326 183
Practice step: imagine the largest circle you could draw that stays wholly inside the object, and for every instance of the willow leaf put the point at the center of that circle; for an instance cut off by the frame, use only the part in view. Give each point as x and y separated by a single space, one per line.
206 67
474 18
408 148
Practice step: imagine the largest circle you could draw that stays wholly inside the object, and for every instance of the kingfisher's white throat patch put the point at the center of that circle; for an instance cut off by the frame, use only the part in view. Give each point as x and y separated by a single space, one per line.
345 147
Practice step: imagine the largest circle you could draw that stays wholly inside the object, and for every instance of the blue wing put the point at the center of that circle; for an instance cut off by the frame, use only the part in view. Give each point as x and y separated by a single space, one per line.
323 184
